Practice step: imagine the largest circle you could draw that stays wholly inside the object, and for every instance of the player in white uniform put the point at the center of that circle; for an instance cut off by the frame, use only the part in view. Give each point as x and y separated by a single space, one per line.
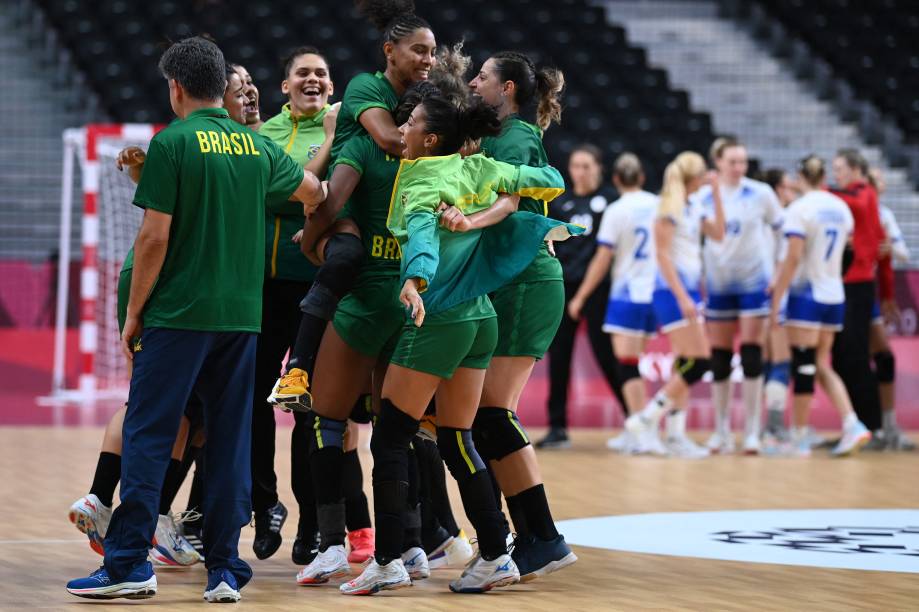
678 231
890 436
818 226
737 274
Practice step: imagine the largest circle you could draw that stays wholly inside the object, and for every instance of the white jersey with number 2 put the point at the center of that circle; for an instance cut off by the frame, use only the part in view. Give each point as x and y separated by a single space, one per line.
627 227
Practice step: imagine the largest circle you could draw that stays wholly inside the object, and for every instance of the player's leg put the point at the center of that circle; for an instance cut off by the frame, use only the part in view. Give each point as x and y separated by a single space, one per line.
778 378
560 352
854 433
885 368
629 348
604 352
752 334
721 333
304 548
357 510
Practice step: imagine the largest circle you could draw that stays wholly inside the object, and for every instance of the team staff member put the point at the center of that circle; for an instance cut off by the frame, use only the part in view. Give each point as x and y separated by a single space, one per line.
851 351
204 183
590 199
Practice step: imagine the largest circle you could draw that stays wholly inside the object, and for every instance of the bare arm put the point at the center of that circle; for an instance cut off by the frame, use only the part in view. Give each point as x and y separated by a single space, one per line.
382 128
786 273
715 228
454 220
320 163
598 270
341 185
310 193
149 254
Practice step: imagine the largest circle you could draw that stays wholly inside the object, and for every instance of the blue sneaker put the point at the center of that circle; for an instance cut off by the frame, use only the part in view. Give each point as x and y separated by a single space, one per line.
139 584
221 587
535 557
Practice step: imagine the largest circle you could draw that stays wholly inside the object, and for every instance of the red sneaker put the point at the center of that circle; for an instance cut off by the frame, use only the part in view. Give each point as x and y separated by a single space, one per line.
361 544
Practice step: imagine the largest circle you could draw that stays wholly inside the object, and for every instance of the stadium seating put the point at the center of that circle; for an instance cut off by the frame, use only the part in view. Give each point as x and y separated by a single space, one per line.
613 98
873 45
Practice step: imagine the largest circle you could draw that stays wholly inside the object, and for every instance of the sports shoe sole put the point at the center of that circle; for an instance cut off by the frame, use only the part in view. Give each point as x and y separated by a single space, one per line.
87 525
551 567
324 578
503 582
222 594
125 590
859 444
381 586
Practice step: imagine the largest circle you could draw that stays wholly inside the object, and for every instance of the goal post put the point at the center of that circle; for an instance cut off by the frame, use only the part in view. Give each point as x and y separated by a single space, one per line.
109 224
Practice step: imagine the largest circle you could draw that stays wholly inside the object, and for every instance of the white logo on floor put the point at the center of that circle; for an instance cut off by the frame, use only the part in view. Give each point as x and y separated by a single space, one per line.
881 540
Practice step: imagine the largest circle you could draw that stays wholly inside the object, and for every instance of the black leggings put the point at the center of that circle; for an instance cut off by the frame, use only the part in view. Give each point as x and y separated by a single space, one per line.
852 354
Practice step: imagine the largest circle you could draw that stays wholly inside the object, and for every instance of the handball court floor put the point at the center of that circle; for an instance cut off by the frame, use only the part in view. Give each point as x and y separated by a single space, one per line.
44 469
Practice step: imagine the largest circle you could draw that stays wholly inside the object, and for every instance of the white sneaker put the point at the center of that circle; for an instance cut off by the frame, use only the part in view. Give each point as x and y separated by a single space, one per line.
221 588
800 447
329 564
751 445
376 578
813 438
683 447
624 443
481 575
92 518
416 563
648 442
852 440
454 553
170 549
721 444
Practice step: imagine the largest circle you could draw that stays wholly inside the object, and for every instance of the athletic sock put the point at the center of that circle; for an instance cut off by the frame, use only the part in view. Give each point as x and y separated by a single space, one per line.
849 421
518 516
108 473
479 501
196 495
538 516
357 511
309 335
440 499
721 400
676 424
326 468
659 405
888 420
752 394
171 484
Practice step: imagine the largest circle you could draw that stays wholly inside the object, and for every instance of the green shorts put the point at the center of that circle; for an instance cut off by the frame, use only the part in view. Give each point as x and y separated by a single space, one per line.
124 293
528 317
370 318
440 349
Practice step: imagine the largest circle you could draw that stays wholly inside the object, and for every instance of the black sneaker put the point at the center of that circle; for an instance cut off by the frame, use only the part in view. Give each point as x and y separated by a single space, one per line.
268 531
535 557
305 548
556 438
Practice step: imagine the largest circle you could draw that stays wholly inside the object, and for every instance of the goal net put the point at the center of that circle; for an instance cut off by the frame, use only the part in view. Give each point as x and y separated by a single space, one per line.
109 226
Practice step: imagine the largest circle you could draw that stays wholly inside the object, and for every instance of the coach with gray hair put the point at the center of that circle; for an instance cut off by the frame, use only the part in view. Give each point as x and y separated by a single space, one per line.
193 315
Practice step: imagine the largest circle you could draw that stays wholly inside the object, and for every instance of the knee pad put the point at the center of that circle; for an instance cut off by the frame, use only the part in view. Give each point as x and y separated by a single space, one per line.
751 360
344 254
362 412
885 366
721 364
498 433
628 369
804 369
390 442
327 432
692 369
459 453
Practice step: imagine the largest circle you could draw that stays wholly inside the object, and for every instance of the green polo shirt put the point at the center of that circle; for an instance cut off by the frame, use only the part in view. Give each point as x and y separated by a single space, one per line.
213 176
364 91
369 203
300 137
520 143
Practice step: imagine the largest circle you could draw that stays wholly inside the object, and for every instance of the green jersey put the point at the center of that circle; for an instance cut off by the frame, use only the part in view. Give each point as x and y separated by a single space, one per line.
300 137
370 201
213 176
520 143
457 267
363 92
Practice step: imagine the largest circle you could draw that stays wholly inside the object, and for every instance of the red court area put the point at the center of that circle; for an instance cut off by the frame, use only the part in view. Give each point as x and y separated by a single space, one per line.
25 376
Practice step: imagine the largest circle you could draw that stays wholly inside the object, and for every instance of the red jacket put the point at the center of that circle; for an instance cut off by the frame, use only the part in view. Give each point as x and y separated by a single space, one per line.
862 200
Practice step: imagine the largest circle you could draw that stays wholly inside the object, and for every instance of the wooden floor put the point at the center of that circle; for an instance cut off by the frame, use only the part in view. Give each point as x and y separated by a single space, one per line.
42 470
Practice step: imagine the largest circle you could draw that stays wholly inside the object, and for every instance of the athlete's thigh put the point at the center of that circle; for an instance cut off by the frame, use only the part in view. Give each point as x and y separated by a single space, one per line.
825 339
689 340
410 390
458 398
625 345
779 350
340 375
721 333
877 339
504 381
752 330
805 337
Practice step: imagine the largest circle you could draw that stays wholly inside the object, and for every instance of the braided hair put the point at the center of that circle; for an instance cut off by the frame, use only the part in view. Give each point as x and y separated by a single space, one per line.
395 19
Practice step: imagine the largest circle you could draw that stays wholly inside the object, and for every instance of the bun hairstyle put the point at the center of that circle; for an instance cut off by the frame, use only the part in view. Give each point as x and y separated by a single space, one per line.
395 19
685 167
812 170
721 144
455 125
628 170
543 86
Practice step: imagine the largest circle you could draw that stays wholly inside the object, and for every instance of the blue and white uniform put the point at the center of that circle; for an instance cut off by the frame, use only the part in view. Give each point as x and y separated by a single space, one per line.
738 268
817 297
898 248
627 227
686 253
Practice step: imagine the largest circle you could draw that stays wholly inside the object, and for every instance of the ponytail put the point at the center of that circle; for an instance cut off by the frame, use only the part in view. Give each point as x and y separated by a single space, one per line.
680 171
454 126
543 86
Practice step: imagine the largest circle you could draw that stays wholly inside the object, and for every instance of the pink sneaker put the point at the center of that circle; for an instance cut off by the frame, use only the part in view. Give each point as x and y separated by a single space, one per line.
361 544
